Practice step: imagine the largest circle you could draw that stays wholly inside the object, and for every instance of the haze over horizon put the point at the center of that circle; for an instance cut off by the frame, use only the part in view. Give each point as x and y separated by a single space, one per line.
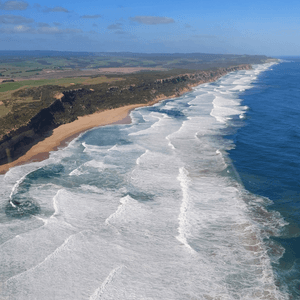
256 27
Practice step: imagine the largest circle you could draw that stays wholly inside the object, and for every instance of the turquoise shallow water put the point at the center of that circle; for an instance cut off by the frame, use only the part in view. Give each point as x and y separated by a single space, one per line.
150 210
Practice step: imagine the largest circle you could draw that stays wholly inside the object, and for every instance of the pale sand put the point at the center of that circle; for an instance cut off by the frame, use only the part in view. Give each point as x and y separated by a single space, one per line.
65 133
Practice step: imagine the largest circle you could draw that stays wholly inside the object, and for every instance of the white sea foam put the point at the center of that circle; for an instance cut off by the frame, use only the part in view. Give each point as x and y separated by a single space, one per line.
50 256
223 108
98 292
90 188
100 165
156 124
18 183
94 148
138 160
219 153
114 147
184 226
168 138
120 209
55 204
75 172
161 215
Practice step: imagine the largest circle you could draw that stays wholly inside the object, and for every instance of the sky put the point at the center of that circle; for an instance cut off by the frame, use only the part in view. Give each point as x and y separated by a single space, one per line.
167 26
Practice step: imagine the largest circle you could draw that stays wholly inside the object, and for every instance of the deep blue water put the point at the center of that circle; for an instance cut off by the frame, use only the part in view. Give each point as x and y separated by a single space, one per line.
156 210
267 158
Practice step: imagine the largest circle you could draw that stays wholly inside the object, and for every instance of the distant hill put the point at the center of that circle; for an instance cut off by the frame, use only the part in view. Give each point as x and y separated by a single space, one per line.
50 53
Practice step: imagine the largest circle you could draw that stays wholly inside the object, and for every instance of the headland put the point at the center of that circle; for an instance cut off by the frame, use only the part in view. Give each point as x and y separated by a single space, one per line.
42 134
39 115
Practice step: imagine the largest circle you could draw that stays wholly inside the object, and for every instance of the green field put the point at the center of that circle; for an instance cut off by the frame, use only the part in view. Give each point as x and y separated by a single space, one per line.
23 68
19 66
11 86
29 67
8 100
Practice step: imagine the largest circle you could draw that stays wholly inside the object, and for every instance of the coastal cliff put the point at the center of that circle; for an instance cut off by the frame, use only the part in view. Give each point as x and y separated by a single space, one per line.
59 106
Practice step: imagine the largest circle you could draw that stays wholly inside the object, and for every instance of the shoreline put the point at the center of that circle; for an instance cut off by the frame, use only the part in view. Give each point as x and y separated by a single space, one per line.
64 134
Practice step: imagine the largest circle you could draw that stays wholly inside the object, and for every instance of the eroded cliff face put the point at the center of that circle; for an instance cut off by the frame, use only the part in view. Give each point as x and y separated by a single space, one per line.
203 76
82 101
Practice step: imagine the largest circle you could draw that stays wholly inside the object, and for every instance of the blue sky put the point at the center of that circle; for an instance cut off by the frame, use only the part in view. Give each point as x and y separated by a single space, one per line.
239 27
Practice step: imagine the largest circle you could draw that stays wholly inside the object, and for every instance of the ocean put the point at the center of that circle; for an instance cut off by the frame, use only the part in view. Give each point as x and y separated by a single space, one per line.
197 198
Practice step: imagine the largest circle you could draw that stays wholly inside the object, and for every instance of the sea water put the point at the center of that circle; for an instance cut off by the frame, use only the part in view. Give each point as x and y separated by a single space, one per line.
267 158
156 209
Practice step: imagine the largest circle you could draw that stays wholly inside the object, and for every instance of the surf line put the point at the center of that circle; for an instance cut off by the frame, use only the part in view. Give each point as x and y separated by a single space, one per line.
183 228
63 134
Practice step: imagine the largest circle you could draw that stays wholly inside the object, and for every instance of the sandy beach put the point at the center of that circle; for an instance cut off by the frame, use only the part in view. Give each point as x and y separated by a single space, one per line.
63 134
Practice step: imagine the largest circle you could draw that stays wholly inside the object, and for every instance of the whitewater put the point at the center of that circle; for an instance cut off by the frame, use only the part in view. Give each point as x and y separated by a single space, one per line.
149 210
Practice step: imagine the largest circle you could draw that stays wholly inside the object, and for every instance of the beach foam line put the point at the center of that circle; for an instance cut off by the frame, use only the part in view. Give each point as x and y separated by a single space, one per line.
67 132
63 134
99 291
184 226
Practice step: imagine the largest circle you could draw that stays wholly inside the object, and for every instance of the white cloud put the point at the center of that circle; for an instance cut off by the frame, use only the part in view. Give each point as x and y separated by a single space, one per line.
120 32
12 19
42 24
43 28
151 20
56 9
204 36
90 17
13 5
115 26
17 29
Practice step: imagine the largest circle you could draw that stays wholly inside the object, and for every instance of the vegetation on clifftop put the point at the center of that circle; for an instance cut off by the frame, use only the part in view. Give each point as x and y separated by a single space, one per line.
30 109
52 105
